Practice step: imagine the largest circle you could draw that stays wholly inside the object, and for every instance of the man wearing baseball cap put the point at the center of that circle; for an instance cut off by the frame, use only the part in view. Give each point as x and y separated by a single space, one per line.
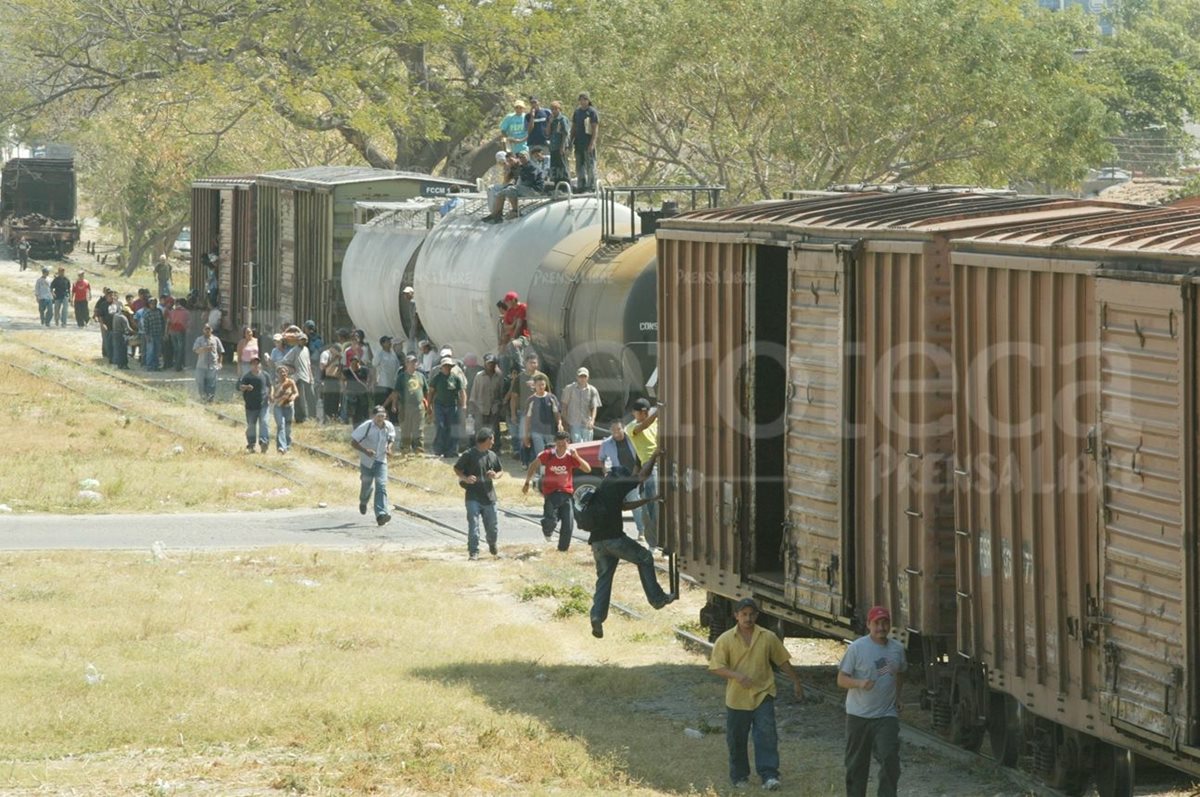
871 673
513 324
743 656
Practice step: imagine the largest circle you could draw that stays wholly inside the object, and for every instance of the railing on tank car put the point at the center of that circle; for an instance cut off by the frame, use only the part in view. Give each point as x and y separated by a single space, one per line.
649 217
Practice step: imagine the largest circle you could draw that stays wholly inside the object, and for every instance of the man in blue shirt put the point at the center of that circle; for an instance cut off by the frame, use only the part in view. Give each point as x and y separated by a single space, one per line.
870 673
512 127
536 124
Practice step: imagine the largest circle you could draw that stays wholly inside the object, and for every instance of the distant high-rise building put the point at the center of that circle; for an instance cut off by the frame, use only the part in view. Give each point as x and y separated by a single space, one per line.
1097 8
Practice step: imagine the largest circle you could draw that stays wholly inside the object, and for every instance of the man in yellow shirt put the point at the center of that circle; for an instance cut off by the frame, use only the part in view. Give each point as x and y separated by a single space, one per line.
743 656
644 436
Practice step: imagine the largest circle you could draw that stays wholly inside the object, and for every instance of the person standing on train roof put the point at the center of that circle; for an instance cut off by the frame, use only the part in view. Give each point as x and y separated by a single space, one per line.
559 133
585 130
537 124
870 673
512 128
744 656
610 544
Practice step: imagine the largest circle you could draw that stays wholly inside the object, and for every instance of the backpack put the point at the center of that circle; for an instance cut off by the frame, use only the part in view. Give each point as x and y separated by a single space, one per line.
588 508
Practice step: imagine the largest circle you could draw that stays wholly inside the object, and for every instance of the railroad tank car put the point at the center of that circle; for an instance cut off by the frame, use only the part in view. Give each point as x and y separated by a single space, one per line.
589 286
1076 348
807 377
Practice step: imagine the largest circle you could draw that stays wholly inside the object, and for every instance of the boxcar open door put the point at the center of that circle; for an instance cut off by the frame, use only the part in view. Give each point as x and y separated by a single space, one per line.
1146 416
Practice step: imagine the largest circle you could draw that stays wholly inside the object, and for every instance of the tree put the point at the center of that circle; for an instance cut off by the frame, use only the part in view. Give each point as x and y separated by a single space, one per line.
765 95
408 85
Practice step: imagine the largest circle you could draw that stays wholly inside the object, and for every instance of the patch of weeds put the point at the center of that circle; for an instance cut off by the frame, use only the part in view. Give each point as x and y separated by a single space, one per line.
640 636
576 601
708 729
291 783
694 627
535 591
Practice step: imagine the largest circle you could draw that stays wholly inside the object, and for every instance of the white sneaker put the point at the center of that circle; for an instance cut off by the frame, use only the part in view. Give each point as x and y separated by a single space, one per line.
771 784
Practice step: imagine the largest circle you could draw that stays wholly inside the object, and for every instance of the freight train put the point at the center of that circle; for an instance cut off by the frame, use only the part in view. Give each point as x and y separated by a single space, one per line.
37 203
580 263
978 410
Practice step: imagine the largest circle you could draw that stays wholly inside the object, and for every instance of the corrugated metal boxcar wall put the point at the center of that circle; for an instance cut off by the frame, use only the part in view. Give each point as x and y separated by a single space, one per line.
701 292
1025 371
903 433
267 275
313 289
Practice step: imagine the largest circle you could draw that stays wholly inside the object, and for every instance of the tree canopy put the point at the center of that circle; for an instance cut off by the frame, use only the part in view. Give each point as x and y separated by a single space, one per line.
758 95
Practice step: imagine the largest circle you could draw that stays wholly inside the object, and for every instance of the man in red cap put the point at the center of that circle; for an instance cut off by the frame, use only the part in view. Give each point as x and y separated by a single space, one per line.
870 672
513 325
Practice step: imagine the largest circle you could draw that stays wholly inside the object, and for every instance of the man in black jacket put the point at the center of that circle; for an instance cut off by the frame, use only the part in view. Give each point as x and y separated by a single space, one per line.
610 544
529 183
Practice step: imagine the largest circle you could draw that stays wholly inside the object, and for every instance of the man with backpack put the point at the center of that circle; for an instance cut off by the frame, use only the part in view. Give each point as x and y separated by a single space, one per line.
558 486
601 514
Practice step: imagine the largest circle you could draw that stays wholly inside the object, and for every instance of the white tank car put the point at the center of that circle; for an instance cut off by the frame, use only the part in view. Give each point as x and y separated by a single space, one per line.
589 303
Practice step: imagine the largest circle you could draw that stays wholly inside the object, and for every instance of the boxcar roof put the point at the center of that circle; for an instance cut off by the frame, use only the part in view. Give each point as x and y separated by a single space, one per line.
232 181
1164 230
343 175
921 212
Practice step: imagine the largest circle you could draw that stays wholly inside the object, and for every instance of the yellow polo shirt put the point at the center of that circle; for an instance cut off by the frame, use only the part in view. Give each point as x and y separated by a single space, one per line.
645 441
755 660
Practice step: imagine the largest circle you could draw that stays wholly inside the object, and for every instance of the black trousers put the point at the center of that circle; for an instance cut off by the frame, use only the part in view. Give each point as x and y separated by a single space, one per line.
872 738
557 508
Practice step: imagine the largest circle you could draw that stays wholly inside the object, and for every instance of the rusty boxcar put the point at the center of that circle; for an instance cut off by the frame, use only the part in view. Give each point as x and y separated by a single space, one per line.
224 225
1076 347
808 423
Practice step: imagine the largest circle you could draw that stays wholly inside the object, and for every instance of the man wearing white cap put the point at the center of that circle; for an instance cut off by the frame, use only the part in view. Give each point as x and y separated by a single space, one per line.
580 400
448 395
512 127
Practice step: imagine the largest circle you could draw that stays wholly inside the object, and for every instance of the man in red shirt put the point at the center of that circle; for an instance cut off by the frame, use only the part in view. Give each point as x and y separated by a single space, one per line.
81 295
514 324
558 485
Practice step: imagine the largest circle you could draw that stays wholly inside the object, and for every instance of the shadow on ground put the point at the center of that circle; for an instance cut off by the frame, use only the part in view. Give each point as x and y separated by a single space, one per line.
635 716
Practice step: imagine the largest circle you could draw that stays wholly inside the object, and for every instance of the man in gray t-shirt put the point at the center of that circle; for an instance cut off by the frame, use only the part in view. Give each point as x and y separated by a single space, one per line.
871 673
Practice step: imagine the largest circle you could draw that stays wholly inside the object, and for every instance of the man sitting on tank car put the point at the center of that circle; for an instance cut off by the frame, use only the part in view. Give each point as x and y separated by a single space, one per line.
529 184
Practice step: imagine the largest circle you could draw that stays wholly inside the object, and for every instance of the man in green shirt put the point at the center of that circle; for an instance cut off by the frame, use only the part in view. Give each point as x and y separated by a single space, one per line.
448 395
743 656
408 401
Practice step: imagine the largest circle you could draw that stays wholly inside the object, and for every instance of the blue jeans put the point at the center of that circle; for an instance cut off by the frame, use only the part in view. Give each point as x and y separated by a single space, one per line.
541 442
60 311
374 477
581 434
206 383
257 429
474 510
646 517
154 352
738 725
45 312
446 418
178 350
608 554
283 426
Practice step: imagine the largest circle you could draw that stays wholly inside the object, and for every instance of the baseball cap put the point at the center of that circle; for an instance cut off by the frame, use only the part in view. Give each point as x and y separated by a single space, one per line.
45 270
641 405
511 296
446 361
582 372
519 104
501 156
745 603
878 613
410 358
379 410
409 289
277 336
489 358
445 351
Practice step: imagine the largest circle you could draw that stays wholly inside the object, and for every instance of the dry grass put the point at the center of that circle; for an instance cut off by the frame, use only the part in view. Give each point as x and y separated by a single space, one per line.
331 673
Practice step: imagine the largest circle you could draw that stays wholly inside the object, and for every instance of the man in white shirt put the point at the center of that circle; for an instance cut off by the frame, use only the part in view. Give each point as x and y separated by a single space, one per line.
373 440
387 365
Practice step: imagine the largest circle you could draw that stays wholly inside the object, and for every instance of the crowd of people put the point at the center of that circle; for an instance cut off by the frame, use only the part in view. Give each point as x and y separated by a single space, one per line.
534 161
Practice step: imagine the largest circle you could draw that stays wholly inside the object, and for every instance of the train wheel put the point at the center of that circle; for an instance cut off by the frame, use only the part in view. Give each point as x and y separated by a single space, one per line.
965 730
1113 770
1004 729
1068 772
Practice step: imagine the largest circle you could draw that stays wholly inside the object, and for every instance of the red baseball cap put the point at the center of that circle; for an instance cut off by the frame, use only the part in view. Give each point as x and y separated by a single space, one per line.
511 296
878 613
